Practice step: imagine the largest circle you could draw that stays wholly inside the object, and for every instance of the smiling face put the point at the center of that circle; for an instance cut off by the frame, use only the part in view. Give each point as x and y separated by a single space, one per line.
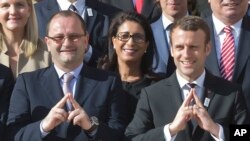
229 11
130 51
189 51
70 52
14 14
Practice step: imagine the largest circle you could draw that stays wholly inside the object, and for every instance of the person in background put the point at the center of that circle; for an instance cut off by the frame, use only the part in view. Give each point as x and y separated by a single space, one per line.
67 101
172 10
131 39
20 48
97 24
147 8
6 86
189 105
230 24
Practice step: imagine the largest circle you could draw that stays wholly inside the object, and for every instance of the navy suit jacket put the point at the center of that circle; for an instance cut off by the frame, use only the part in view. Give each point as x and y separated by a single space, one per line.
160 102
97 25
241 73
6 86
163 61
35 93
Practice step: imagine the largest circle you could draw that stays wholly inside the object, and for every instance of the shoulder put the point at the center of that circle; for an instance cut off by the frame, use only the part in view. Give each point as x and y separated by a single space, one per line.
98 73
4 71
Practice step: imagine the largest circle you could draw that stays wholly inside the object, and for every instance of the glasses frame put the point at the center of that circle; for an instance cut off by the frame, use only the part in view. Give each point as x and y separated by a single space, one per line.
71 38
119 37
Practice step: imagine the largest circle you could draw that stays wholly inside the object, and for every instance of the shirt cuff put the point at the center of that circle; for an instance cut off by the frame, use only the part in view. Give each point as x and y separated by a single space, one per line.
221 134
43 133
167 134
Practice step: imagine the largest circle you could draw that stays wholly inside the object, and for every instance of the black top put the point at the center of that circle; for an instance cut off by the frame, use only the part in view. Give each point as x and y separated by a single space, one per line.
133 89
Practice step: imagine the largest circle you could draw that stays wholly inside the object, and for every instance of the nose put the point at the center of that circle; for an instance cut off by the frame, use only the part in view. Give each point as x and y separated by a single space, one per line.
12 9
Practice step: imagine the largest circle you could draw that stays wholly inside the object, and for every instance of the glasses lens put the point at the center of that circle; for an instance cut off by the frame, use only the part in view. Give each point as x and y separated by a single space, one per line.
138 38
123 36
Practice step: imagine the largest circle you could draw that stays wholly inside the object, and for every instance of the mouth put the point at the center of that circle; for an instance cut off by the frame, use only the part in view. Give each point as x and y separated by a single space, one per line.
129 50
234 4
187 63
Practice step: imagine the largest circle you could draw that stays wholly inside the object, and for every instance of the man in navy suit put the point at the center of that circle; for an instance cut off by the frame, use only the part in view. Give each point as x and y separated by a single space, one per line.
39 108
189 105
231 13
97 24
171 11
6 86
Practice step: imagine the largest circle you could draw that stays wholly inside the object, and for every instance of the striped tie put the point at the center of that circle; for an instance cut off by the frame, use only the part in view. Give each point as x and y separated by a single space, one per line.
67 77
227 59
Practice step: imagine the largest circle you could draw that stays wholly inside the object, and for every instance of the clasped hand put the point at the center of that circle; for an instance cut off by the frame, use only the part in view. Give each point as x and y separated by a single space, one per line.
57 115
197 111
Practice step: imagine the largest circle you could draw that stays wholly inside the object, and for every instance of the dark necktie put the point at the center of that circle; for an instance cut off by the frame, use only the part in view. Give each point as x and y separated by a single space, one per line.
72 8
191 123
67 77
227 60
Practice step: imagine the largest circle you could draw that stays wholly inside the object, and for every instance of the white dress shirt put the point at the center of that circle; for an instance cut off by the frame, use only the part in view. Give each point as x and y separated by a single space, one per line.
184 92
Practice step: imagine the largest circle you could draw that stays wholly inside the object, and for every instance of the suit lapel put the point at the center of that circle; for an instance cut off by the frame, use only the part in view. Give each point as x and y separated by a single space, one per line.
243 47
84 86
212 58
161 45
51 85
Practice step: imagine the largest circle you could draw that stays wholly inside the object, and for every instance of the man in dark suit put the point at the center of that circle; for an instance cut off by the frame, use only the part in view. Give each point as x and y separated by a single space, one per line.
97 24
93 108
189 105
6 86
233 14
149 8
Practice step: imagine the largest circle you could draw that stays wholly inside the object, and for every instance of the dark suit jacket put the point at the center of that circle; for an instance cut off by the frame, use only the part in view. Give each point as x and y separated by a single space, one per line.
149 9
6 86
35 93
241 73
97 25
160 102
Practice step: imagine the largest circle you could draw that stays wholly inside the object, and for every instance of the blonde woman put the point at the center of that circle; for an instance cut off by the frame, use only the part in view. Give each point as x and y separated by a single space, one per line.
20 47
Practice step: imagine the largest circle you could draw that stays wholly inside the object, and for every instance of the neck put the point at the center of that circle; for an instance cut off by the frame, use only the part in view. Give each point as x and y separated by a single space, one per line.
130 72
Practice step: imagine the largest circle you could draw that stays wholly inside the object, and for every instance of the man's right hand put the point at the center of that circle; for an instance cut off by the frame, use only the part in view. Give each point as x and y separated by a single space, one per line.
56 116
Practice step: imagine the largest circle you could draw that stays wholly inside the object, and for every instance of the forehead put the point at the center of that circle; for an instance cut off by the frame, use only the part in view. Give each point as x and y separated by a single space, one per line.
180 36
65 24
13 1
130 26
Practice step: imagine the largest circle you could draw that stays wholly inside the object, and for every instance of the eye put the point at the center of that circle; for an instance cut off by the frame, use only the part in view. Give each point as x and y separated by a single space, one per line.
4 5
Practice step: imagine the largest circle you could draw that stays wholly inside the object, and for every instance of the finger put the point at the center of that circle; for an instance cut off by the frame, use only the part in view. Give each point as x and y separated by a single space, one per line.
196 99
62 102
73 102
188 99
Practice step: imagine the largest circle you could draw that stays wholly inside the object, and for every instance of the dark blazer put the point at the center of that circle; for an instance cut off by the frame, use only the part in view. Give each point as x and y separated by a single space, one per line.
241 73
6 86
160 102
149 9
97 25
35 93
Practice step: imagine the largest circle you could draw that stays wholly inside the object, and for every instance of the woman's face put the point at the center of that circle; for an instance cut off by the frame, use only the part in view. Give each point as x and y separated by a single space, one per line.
130 42
14 14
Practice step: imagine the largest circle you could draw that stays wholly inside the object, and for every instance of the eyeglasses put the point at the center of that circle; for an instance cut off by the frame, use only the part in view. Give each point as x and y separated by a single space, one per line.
72 38
125 36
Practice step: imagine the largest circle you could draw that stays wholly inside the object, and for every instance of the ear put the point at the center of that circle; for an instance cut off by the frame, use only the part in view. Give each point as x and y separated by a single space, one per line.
171 50
46 40
208 48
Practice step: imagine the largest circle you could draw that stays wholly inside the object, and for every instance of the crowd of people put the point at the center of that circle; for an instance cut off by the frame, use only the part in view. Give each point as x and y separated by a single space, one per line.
132 70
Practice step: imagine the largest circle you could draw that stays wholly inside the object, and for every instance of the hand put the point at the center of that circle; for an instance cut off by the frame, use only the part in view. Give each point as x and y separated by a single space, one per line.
184 114
56 116
78 115
203 118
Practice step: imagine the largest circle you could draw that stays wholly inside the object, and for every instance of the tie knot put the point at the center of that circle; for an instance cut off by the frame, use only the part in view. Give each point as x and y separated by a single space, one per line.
227 29
67 77
72 8
191 85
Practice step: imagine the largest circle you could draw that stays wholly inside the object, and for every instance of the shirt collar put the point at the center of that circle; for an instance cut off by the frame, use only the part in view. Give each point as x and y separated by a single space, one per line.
64 4
199 81
75 72
166 22
220 25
